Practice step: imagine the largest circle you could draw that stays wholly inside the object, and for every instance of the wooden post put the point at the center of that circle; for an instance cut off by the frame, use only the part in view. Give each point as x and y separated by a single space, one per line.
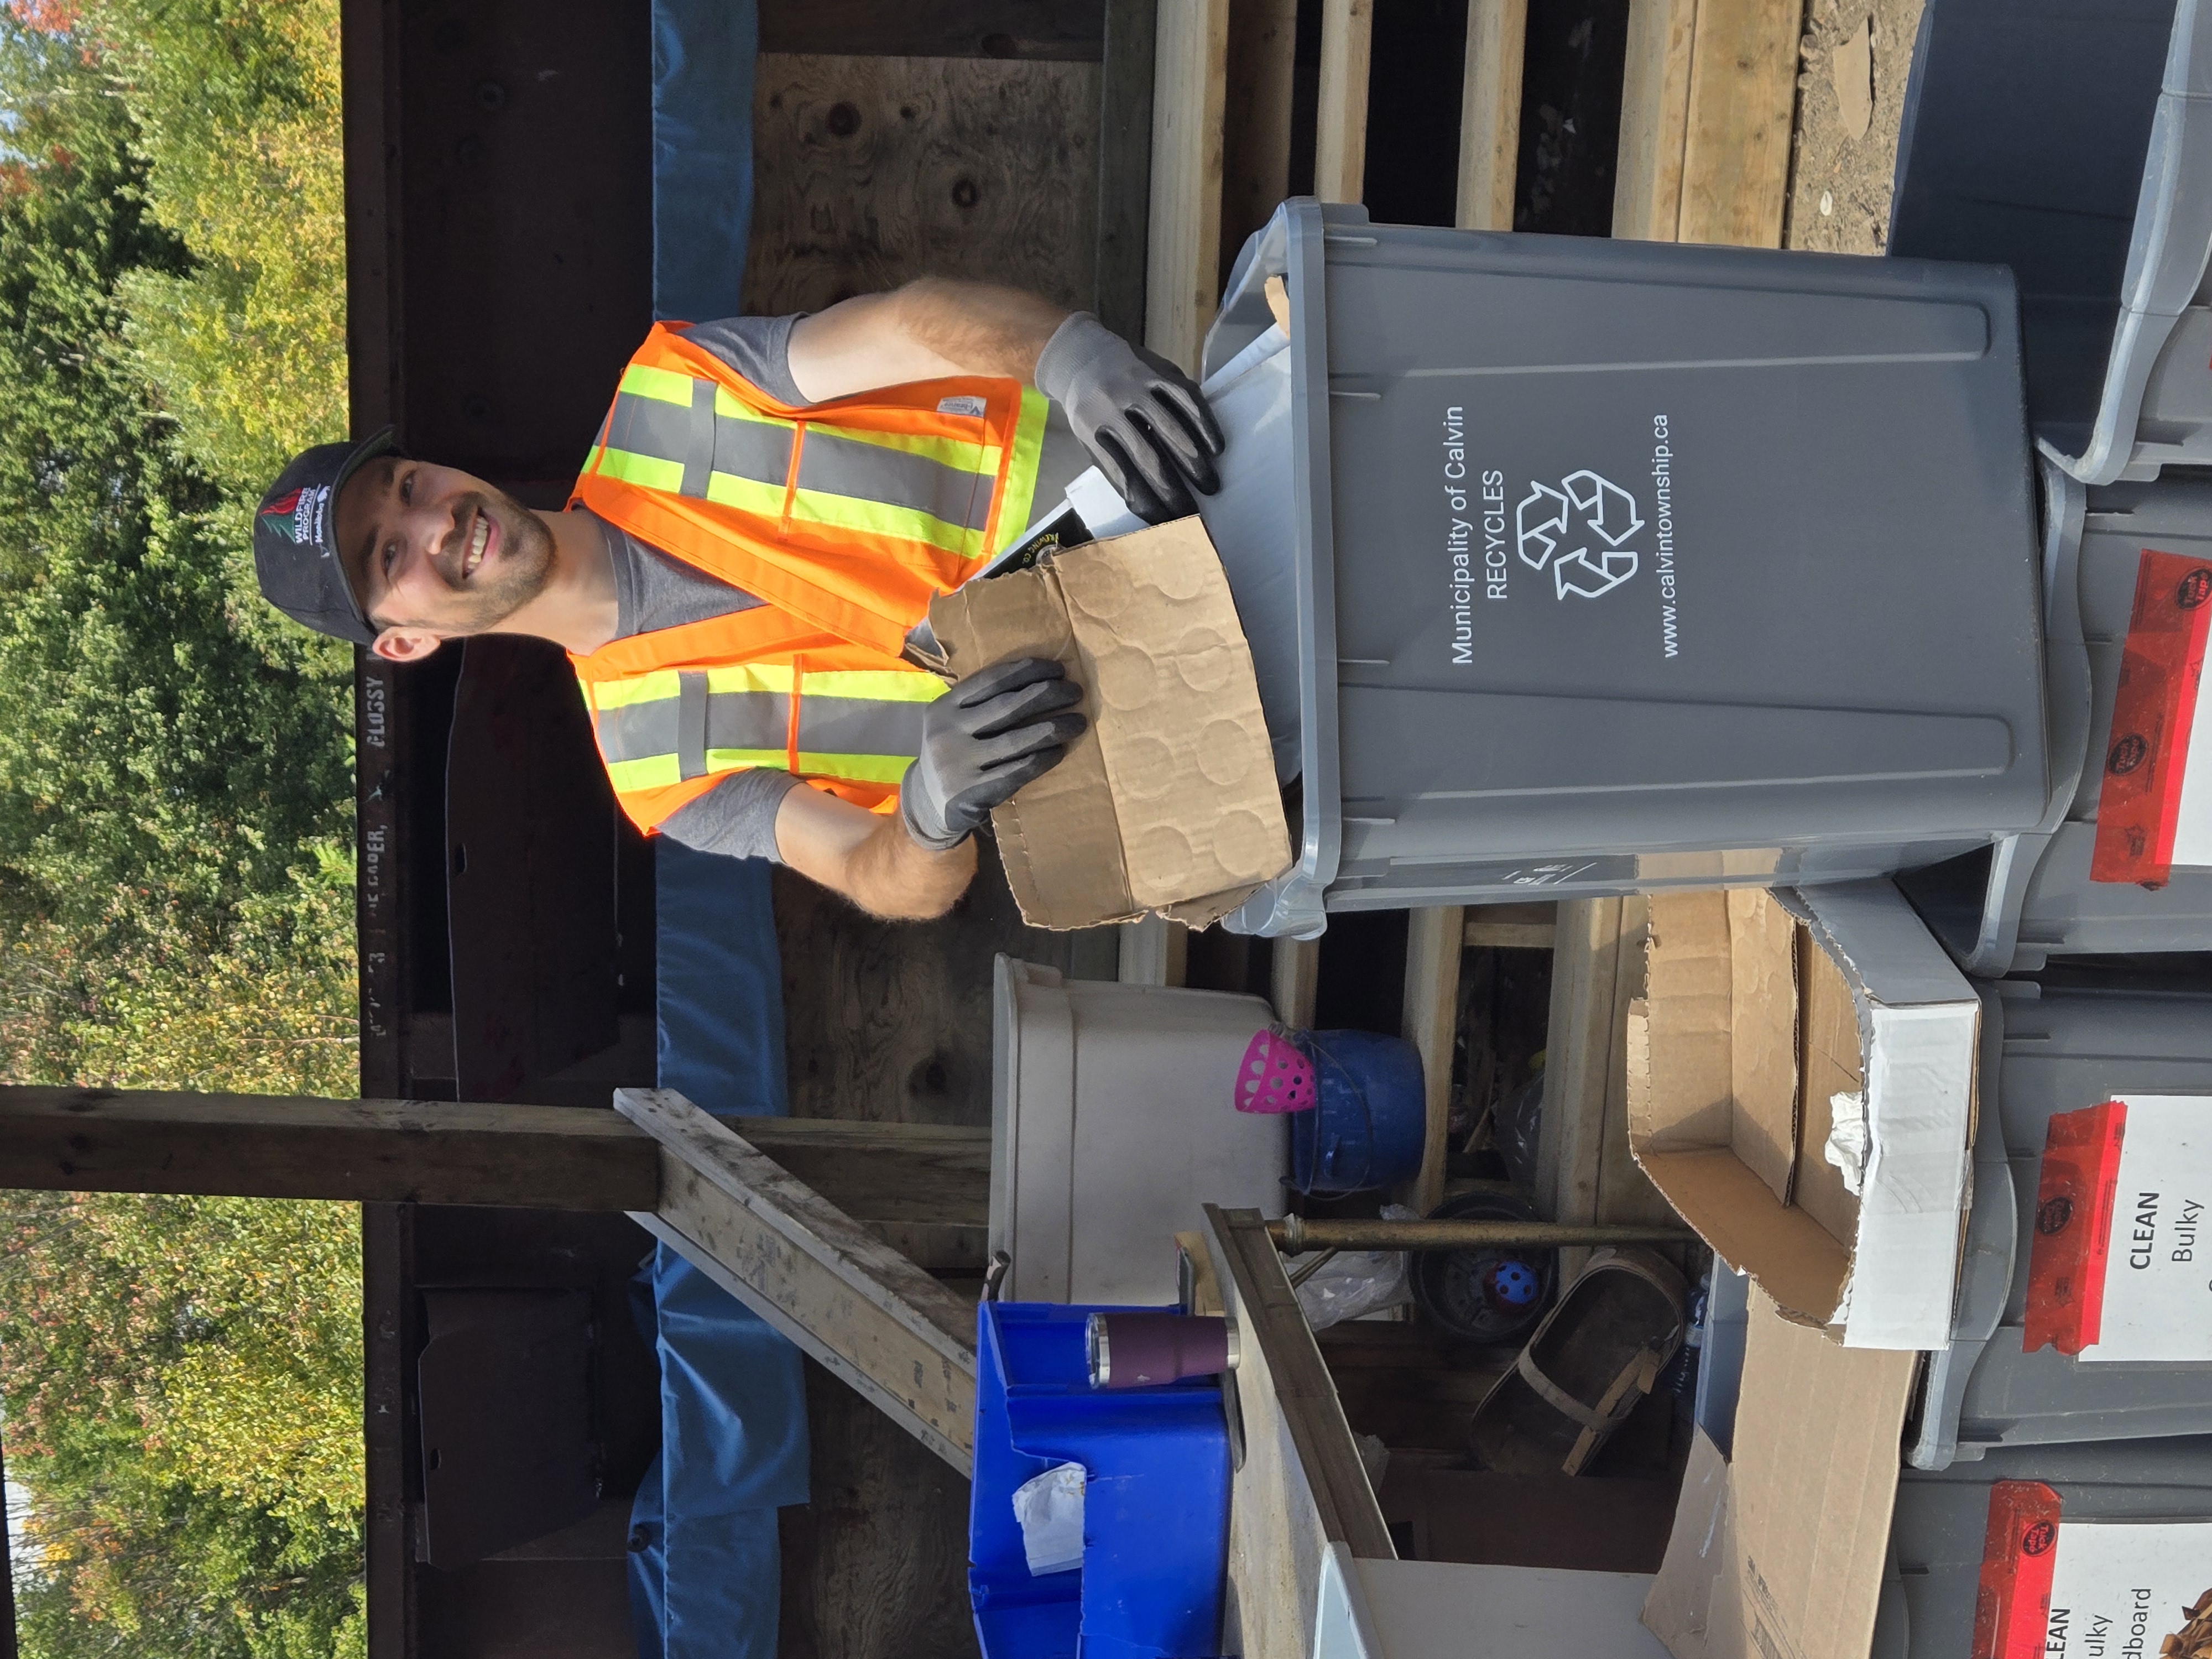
1434 939
1125 165
1490 112
1183 242
851 1302
1705 121
1347 43
1256 135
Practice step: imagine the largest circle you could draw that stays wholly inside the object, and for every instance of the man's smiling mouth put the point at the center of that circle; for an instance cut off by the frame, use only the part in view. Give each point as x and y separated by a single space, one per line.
479 539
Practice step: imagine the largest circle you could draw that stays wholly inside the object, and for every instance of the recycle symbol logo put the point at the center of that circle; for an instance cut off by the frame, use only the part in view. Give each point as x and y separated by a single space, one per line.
1587 509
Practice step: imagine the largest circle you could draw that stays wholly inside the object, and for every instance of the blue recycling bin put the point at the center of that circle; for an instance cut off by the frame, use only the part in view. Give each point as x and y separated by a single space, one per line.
1156 1498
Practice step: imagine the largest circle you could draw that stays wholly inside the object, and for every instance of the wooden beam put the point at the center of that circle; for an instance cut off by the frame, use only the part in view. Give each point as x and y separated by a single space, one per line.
1706 102
924 1189
1655 111
281 1147
1434 938
1347 51
1125 165
1511 926
1585 1172
1256 127
1299 1486
1182 251
1490 112
860 1308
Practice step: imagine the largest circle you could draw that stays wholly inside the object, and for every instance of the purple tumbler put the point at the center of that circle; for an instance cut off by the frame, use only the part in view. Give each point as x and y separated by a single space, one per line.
1139 1350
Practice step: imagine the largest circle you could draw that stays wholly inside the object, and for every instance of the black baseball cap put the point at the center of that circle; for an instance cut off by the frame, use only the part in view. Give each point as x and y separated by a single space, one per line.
296 540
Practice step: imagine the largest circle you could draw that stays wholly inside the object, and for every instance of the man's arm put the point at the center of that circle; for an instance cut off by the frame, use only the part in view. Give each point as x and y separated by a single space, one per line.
927 331
870 857
1143 419
980 742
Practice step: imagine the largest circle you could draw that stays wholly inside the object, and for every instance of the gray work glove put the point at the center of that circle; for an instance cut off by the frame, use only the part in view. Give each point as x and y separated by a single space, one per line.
982 741
1143 419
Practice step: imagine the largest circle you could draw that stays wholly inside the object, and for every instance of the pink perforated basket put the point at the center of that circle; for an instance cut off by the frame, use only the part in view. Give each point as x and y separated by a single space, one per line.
1273 1076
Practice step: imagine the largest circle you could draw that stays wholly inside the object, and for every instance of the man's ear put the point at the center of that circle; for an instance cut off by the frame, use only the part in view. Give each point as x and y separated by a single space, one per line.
407 644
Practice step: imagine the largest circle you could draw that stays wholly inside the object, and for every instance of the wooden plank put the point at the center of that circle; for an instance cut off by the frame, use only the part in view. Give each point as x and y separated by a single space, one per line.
1743 90
1490 112
1578 1058
1434 939
891 1020
1065 31
1654 109
1125 165
853 1303
1512 927
1585 1171
1301 1487
283 1146
1347 41
876 1565
1706 102
873 171
1184 238
1256 137
1295 981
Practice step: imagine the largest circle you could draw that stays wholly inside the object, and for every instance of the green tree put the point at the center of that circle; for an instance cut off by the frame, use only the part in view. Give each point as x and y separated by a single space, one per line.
183 1384
180 1376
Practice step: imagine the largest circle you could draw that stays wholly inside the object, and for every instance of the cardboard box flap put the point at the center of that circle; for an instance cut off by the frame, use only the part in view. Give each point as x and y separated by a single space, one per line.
1777 1553
1801 1265
1763 1022
1168 801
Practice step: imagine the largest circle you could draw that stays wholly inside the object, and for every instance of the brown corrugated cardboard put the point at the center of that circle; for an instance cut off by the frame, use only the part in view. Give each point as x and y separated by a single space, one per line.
1169 801
1777 1553
1757 1014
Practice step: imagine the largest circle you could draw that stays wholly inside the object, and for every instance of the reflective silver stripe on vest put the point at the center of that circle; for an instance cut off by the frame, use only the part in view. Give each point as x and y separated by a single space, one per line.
703 443
696 719
898 477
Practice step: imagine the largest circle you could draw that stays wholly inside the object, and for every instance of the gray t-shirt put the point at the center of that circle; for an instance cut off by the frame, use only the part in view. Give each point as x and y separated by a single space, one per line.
653 590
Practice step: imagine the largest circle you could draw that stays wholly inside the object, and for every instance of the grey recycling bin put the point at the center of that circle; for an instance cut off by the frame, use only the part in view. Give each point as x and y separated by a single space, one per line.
1939 1532
1625 565
2046 1051
2074 143
2011 907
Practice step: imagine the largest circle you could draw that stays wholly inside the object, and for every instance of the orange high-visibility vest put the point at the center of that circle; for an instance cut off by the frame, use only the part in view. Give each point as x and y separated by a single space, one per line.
845 517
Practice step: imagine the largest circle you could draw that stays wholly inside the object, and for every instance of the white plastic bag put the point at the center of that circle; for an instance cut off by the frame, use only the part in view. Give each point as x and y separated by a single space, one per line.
1356 1282
1048 1509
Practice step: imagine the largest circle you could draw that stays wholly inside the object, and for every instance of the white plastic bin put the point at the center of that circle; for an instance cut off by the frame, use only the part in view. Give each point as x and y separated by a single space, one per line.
1112 1124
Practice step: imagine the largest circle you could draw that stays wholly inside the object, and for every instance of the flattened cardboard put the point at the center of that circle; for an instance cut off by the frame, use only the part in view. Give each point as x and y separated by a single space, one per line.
1169 801
1777 1553
1755 1010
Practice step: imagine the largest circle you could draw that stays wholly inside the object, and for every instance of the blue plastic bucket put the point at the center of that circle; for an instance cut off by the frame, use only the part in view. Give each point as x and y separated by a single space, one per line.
1368 1123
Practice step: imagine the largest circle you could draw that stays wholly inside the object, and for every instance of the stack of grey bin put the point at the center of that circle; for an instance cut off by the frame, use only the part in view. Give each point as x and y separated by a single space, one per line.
2074 144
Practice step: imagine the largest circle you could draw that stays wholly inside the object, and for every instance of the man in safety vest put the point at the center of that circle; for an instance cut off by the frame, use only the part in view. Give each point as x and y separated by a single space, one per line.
768 508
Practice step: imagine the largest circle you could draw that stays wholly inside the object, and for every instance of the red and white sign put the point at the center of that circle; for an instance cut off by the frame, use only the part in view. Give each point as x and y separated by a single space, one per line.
2083 1589
2121 1263
2154 799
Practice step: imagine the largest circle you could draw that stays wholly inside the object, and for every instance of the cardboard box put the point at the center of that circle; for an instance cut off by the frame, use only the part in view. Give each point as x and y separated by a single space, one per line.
1169 802
1801 1088
1777 1552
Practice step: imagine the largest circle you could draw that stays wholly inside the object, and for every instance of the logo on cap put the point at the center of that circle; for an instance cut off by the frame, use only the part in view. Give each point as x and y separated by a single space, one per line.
298 516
